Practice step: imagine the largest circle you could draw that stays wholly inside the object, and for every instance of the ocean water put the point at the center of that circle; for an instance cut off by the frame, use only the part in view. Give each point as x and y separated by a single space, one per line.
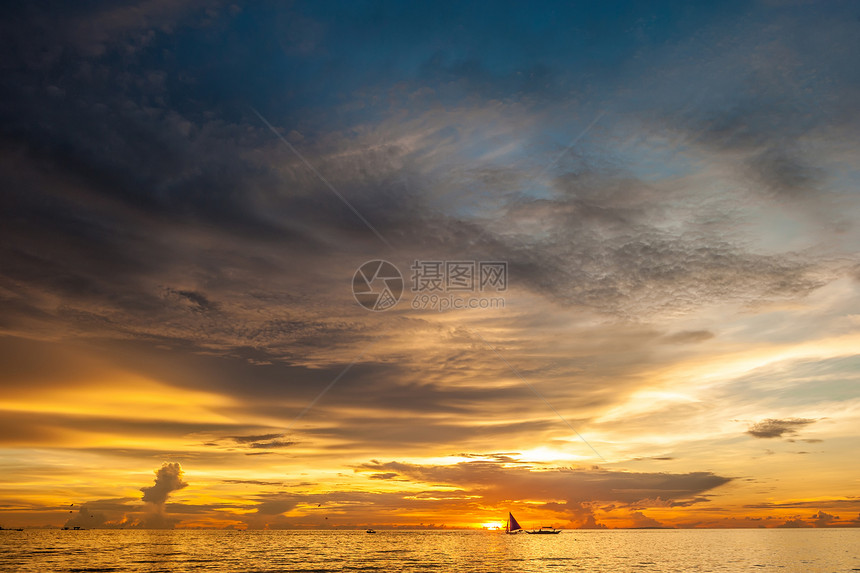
786 550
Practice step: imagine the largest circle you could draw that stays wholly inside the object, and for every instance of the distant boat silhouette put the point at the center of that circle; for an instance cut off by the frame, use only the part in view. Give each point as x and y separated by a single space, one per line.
371 531
544 531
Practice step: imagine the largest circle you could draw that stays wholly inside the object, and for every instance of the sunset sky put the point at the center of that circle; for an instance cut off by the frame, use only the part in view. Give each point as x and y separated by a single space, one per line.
188 188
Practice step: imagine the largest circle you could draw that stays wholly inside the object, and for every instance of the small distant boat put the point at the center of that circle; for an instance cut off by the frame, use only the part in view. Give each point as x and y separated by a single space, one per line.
544 531
371 531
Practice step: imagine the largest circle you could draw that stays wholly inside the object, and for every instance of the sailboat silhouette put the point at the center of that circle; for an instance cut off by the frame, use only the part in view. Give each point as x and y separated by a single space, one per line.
511 526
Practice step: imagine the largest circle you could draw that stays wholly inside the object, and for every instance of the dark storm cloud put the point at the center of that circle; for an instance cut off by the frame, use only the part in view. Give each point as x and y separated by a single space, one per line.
776 428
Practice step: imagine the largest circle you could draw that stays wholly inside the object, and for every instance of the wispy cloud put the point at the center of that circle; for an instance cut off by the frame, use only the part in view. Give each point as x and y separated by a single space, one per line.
775 428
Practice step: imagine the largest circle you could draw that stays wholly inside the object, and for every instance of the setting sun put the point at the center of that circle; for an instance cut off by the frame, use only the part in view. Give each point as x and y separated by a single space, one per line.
493 525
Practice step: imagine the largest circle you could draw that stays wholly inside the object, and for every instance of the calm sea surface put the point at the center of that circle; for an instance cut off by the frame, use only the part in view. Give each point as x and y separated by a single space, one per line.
478 551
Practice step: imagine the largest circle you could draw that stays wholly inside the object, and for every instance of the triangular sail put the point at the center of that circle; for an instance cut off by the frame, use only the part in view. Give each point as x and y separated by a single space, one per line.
512 523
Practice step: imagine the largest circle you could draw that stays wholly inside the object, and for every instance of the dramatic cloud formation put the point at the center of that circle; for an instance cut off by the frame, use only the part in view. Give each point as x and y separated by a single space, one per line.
189 188
168 478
